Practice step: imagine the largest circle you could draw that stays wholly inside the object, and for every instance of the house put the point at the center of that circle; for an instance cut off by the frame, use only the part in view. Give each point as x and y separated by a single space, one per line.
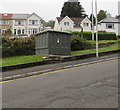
5 22
22 24
109 24
72 24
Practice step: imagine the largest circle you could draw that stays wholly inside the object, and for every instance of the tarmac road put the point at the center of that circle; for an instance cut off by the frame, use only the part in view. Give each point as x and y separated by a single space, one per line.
90 86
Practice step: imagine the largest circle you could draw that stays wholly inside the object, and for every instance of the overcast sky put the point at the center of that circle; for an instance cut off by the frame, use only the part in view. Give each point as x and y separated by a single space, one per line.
50 9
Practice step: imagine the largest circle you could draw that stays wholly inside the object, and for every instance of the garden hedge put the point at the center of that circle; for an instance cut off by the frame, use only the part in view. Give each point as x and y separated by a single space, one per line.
78 43
101 35
18 46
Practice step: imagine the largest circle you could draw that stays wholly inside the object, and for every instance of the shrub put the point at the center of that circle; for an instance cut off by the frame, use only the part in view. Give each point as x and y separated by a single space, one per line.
101 35
78 43
18 46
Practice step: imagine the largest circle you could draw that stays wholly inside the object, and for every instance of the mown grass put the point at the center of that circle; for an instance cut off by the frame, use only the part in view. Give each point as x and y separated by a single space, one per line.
90 51
20 60
102 41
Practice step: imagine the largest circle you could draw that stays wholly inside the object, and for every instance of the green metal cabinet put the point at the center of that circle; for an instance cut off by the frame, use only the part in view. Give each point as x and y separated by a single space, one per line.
52 42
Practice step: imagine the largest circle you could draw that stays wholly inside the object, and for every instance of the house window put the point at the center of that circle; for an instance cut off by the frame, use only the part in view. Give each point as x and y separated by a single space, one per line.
33 22
19 31
19 22
3 31
29 31
66 23
86 24
5 22
5 14
110 26
14 31
22 31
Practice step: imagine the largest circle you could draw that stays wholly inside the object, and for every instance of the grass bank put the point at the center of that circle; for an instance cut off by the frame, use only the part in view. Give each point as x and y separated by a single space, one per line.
20 60
90 51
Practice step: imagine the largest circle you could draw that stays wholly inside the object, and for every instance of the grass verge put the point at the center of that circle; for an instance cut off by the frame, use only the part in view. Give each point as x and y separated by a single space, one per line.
102 41
90 51
20 60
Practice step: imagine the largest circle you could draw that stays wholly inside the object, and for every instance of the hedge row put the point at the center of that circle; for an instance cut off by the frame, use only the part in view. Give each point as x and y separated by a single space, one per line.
18 46
101 35
78 43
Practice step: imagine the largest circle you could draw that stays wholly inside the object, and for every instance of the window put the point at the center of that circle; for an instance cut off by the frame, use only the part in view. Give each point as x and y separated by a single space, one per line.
66 23
29 31
5 22
19 22
5 14
19 31
33 22
22 31
86 24
14 31
110 26
33 31
3 31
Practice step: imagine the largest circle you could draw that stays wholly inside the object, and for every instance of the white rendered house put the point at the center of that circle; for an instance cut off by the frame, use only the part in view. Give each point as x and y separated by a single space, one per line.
109 24
72 24
26 24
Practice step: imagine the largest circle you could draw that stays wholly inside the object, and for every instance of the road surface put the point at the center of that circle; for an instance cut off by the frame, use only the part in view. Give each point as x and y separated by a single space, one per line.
90 86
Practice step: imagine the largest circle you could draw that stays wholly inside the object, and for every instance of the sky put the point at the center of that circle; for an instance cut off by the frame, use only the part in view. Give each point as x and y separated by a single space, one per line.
50 9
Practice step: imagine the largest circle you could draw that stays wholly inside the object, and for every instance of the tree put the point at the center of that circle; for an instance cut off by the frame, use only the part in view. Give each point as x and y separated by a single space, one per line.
73 9
94 20
8 32
101 15
50 23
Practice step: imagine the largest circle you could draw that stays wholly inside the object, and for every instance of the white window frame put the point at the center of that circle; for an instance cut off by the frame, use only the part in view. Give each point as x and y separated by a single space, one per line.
86 24
19 22
33 22
5 22
66 23
23 31
110 24
3 31
15 31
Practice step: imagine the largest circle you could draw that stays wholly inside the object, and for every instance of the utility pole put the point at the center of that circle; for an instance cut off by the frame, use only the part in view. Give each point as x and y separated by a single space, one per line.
97 54
92 22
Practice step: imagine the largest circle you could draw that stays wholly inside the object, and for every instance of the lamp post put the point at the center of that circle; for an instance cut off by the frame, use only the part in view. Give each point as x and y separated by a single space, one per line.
92 22
97 54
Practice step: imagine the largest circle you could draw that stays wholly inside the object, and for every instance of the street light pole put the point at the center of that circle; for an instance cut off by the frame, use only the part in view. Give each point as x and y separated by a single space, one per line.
92 22
97 55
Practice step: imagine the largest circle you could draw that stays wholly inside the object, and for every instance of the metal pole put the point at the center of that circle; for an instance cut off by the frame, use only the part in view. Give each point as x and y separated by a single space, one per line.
92 22
97 55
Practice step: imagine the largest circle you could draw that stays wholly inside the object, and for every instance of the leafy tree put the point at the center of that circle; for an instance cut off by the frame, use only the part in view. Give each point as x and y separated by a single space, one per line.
101 15
94 21
73 9
8 32
50 23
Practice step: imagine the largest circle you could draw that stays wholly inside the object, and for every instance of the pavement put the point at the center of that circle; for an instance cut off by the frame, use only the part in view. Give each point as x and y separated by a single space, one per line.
89 86
52 67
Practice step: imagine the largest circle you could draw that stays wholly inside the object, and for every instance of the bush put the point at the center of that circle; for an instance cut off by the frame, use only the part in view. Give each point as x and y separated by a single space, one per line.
101 35
18 46
78 43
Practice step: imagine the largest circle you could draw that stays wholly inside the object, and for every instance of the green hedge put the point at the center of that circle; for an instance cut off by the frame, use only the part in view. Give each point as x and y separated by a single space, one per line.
78 43
101 35
18 46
